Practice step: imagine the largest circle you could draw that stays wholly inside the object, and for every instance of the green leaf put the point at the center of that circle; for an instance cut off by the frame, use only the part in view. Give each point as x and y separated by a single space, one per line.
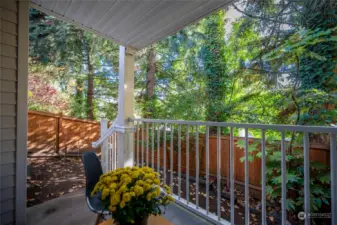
325 179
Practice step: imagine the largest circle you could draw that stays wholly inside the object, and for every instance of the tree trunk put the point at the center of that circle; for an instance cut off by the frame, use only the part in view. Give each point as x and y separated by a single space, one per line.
150 84
77 110
90 93
150 74
90 90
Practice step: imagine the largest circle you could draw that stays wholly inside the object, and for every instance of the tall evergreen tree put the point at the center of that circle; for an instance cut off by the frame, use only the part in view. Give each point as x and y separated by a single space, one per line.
212 55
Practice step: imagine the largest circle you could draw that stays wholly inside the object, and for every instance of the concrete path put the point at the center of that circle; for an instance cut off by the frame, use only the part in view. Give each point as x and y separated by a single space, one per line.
71 209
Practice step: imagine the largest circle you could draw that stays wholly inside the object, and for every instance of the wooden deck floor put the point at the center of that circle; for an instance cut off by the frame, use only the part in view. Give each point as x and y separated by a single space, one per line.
71 209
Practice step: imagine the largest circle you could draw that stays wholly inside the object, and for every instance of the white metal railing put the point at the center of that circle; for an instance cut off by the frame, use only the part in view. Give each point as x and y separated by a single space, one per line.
161 127
105 135
108 143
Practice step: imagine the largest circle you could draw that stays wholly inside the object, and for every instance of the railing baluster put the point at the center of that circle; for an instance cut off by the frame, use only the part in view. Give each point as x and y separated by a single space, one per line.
143 143
147 144
164 170
171 158
246 177
197 167
152 142
158 148
218 185
111 139
207 170
112 152
187 164
137 139
231 152
263 176
306 178
109 154
333 174
115 151
179 160
284 180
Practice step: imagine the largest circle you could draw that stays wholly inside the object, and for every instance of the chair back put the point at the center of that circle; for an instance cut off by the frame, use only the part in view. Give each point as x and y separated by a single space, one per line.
93 170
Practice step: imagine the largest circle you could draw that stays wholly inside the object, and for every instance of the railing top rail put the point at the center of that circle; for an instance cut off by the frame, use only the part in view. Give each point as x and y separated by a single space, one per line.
276 127
107 134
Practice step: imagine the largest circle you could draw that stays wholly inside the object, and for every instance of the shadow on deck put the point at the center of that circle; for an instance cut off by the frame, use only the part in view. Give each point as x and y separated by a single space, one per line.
71 209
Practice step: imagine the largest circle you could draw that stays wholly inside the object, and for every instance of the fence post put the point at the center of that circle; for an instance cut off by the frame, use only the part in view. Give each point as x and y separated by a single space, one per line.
104 146
58 132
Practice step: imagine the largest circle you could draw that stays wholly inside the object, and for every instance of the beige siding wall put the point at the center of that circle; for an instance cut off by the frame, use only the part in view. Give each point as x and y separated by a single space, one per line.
8 99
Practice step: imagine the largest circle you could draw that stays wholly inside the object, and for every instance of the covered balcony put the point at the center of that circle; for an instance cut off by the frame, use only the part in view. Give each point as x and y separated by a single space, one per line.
200 161
217 170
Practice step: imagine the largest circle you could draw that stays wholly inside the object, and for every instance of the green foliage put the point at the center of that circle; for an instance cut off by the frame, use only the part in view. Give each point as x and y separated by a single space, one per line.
214 65
81 59
319 176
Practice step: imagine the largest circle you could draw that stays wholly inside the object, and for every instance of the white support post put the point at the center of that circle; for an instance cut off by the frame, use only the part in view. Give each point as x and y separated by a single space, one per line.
104 146
125 128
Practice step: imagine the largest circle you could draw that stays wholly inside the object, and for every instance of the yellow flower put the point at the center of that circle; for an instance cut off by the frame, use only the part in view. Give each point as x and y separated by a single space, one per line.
105 193
124 176
156 192
149 181
156 174
122 204
122 189
156 181
147 169
115 199
149 176
147 186
107 180
168 189
126 197
114 178
170 198
113 186
126 180
140 182
135 174
112 191
138 190
149 196
167 200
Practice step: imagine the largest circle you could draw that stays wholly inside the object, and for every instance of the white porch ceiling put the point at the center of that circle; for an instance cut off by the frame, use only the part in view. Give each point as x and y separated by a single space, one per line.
134 23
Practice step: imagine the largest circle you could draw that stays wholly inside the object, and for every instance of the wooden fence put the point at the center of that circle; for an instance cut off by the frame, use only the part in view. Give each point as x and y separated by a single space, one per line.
54 134
318 152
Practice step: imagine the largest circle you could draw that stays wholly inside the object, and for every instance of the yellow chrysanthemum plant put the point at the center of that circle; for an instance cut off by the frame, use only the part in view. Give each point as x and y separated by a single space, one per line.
132 194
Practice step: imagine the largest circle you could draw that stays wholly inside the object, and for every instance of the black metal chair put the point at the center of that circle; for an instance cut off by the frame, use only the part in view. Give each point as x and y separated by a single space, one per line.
93 171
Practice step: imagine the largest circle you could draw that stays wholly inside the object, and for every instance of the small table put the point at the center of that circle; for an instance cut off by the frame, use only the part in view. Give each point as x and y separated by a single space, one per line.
153 220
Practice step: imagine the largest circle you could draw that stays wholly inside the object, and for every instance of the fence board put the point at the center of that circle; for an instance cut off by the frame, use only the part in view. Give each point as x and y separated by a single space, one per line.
52 134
